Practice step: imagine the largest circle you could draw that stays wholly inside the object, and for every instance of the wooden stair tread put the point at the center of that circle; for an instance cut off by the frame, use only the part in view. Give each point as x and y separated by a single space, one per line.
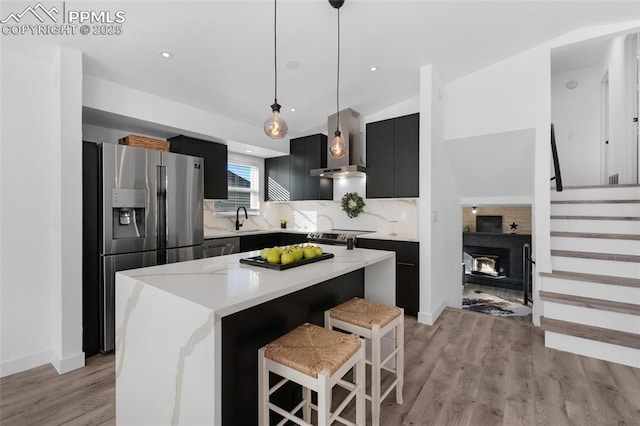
628 218
588 302
634 237
622 185
617 201
598 256
606 335
593 278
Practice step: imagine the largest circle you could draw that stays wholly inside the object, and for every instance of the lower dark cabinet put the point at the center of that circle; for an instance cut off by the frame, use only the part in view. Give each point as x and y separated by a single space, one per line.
290 238
260 241
407 271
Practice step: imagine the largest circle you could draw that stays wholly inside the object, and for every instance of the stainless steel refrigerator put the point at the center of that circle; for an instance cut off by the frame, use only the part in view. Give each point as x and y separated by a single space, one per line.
147 211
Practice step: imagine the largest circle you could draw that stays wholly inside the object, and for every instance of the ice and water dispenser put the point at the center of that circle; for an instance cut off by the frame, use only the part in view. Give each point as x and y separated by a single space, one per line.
128 207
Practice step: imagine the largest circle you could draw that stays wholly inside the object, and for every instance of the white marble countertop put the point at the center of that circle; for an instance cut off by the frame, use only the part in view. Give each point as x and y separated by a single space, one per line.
225 286
387 236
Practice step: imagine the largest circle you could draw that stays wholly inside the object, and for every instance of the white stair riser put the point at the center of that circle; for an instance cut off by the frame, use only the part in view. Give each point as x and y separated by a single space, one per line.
607 193
591 348
610 209
599 291
596 245
596 266
593 317
599 226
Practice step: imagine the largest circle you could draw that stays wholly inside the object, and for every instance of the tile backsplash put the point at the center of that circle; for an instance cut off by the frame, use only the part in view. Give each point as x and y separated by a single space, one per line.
379 215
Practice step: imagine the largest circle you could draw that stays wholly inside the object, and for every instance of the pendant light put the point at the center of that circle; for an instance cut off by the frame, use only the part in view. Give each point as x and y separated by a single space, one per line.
275 127
337 147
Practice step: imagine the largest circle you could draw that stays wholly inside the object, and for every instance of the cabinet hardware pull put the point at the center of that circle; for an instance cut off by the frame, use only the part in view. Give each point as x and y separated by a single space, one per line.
405 264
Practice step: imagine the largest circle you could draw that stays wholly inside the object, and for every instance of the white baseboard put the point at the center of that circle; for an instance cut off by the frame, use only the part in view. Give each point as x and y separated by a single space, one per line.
69 363
25 363
36 360
430 318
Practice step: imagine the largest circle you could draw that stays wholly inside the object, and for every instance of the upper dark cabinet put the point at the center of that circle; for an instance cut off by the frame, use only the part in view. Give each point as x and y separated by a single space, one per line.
307 153
393 157
215 163
276 179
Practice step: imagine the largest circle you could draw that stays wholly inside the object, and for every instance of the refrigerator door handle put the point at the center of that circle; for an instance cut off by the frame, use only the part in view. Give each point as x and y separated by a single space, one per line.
162 213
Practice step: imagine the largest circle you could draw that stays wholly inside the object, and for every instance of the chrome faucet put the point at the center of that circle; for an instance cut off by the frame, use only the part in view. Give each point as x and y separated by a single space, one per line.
246 216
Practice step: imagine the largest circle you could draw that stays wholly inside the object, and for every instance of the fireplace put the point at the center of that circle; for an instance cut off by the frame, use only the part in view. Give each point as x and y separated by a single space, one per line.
491 261
485 264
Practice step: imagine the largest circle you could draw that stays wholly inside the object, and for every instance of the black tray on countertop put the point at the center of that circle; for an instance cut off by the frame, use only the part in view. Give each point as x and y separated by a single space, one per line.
258 261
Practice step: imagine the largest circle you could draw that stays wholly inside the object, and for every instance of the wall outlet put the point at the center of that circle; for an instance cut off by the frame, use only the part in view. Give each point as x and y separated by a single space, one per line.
403 216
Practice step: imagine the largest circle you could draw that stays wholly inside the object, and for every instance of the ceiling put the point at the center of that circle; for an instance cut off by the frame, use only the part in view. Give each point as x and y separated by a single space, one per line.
223 50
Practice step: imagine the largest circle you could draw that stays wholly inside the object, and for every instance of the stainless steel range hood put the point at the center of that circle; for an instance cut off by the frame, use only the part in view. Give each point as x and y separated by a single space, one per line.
351 164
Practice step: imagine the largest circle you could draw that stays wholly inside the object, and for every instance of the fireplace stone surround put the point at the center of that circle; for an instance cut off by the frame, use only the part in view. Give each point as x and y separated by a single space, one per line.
508 248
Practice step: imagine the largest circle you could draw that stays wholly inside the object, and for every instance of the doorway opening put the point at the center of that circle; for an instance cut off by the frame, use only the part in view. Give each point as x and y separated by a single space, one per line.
496 253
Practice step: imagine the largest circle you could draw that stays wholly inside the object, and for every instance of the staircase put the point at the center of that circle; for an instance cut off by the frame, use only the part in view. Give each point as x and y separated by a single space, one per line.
592 296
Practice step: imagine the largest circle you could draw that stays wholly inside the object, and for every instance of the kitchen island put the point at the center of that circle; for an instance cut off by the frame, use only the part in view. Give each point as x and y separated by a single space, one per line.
187 334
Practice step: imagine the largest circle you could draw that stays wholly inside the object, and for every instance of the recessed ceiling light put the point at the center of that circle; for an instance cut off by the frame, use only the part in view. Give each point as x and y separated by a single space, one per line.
292 65
293 110
249 151
373 69
166 54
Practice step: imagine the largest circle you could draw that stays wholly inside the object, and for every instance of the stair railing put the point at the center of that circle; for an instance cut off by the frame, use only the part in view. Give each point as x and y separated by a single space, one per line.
556 163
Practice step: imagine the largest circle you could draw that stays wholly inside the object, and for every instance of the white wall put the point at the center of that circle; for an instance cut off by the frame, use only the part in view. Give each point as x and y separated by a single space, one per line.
27 100
440 213
494 169
576 114
133 106
621 66
40 278
66 249
511 95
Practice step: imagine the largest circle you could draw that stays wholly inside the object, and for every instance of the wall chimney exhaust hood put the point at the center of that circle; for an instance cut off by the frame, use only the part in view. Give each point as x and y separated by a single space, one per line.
351 164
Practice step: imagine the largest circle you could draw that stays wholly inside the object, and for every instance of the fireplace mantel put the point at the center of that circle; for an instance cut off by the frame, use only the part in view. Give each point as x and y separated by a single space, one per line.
513 243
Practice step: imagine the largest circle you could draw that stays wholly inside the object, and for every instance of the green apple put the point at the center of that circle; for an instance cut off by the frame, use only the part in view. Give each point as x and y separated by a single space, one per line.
274 257
287 258
318 250
309 252
265 253
298 253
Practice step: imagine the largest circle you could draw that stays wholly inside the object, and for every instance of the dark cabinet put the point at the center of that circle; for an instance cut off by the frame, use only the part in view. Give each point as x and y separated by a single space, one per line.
289 238
407 270
276 179
260 241
215 163
393 157
306 153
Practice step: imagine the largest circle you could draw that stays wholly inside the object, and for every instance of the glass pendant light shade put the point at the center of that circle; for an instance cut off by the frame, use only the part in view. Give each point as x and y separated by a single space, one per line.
275 127
337 148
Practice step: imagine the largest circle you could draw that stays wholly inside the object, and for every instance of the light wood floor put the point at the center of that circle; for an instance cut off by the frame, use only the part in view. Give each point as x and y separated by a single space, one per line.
467 369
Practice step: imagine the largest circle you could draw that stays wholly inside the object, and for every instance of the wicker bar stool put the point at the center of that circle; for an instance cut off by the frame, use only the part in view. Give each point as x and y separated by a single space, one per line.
374 321
317 359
